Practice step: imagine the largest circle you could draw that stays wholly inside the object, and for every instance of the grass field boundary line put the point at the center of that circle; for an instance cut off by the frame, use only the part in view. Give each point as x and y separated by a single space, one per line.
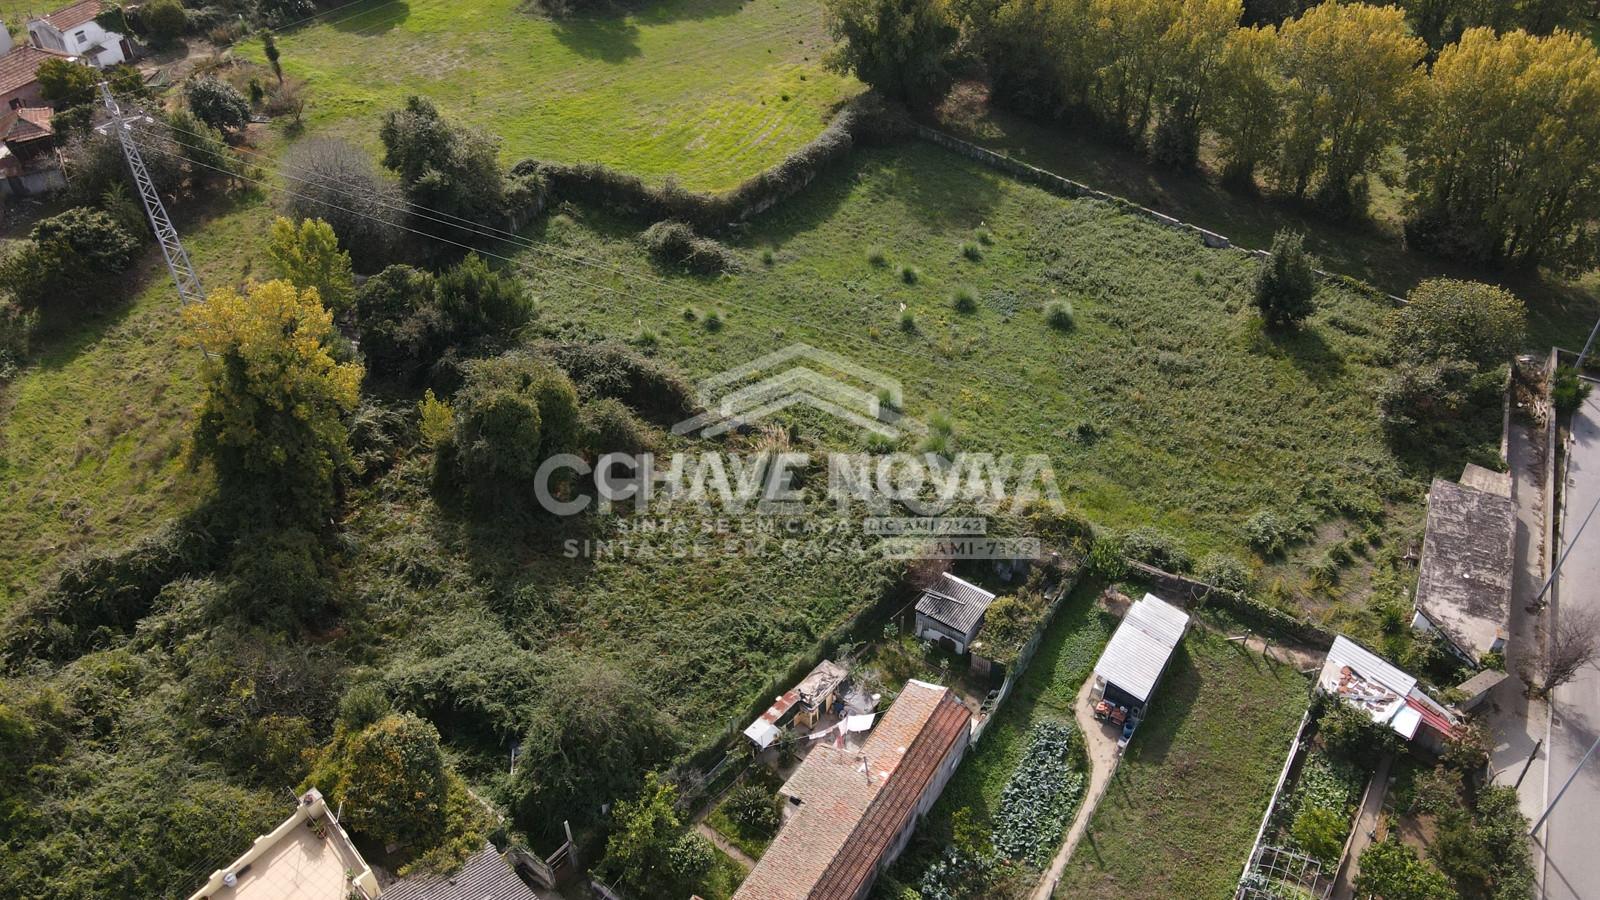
546 249
1060 184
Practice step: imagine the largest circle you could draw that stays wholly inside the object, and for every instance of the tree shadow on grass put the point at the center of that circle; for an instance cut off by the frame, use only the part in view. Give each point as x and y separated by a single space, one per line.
1306 348
611 39
369 20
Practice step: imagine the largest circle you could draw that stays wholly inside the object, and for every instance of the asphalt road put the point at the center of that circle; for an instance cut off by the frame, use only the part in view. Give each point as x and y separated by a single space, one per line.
1572 834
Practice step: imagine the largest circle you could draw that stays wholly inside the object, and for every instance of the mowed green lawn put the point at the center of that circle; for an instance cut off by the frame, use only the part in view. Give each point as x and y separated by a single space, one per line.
1179 816
1165 405
707 91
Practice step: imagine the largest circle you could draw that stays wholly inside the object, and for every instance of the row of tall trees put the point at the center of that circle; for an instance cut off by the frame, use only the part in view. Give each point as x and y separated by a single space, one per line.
1500 128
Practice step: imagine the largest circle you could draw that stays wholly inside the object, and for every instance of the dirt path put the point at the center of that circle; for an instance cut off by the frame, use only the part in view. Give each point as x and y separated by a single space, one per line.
1100 744
710 834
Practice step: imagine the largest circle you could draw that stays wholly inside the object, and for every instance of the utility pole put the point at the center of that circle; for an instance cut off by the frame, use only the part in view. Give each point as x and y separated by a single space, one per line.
1573 542
184 276
1575 770
1586 345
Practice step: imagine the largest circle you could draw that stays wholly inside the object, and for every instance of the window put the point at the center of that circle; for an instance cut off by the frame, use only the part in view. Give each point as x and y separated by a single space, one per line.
80 36
16 103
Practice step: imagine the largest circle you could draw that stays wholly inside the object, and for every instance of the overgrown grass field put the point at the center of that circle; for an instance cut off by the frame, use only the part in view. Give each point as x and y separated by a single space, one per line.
1183 807
707 91
91 433
1164 403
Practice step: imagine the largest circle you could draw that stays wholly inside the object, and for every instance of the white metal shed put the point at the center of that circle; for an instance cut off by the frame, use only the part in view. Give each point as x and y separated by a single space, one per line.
1138 652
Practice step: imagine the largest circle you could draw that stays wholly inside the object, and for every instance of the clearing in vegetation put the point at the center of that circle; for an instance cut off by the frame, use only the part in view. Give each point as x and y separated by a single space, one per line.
707 91
1162 403
1183 807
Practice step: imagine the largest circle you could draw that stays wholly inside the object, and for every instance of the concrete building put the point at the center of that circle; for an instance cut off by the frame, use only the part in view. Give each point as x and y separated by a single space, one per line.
951 612
308 857
849 813
73 30
1464 578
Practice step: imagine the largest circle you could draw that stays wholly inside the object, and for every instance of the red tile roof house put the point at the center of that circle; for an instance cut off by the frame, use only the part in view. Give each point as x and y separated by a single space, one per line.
849 813
19 76
29 161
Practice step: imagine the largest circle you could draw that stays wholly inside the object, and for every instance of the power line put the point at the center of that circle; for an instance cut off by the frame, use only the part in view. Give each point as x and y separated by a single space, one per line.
503 236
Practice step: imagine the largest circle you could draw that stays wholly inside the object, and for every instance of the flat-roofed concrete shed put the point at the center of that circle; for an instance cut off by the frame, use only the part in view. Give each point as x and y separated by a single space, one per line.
1464 579
1137 654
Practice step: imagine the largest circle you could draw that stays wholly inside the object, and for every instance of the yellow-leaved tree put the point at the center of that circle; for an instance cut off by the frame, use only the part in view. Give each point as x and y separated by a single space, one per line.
271 420
308 255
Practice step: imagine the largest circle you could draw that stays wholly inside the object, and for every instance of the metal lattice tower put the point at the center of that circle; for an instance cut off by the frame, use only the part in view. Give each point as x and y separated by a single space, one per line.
184 275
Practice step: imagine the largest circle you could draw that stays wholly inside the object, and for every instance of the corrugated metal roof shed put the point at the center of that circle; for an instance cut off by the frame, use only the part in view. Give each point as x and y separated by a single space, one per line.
1141 646
956 603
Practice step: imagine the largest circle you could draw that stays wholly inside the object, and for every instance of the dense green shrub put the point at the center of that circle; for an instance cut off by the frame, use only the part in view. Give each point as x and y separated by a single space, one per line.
1058 315
1391 870
1445 318
591 737
676 245
163 20
94 163
1285 283
900 48
513 412
1319 832
278 576
217 104
16 333
1350 734
606 368
753 809
1267 533
1156 548
99 597
1225 571
69 256
647 853
611 427
410 319
1567 392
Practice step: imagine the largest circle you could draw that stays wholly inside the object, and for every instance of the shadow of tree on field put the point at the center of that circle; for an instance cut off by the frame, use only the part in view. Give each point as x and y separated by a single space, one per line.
370 20
1306 348
611 39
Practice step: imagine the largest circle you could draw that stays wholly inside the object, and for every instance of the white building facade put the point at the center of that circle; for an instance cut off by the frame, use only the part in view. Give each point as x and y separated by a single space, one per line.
74 31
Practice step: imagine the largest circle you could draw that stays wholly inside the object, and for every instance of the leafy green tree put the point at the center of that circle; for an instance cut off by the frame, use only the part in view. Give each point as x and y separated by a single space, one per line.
513 412
270 421
390 778
279 13
202 148
66 83
71 255
217 104
1391 870
1449 319
1351 735
644 841
587 742
1195 53
308 256
1498 163
476 301
896 46
447 168
1349 76
164 21
1286 285
1246 114
1029 48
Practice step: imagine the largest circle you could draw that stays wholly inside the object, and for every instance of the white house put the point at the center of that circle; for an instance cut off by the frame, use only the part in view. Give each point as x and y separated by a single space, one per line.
72 30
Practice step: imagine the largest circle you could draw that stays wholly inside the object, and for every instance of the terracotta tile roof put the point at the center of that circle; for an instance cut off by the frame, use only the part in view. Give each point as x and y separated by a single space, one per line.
20 67
74 15
26 124
854 804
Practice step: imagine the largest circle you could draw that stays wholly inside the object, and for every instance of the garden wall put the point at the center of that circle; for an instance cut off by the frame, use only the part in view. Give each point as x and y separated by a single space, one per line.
1192 593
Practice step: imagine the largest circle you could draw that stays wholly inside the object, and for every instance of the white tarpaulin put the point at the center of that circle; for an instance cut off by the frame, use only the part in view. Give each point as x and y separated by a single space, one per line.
859 723
762 732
